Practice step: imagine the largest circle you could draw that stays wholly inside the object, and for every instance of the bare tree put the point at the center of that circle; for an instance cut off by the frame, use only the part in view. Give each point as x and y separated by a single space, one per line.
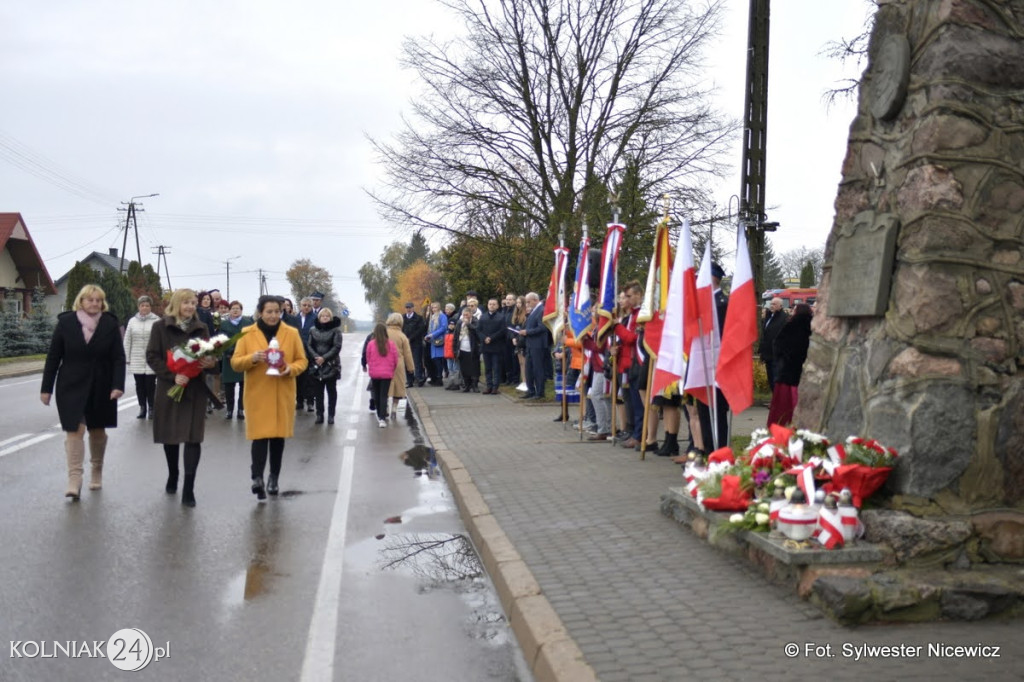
851 50
792 262
537 97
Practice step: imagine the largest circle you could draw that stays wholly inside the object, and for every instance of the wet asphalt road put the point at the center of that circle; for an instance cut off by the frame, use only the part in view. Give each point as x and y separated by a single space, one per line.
312 585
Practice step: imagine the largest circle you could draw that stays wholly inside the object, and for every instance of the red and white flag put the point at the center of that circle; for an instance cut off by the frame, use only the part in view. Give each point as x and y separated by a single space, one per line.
735 373
700 372
671 364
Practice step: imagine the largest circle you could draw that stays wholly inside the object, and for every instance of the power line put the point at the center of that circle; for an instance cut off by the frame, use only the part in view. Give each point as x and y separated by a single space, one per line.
24 158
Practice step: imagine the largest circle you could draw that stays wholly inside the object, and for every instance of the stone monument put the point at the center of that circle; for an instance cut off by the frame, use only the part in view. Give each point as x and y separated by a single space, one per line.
924 347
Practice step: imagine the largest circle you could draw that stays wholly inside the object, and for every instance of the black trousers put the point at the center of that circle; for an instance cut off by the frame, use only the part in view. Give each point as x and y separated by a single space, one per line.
492 370
469 368
379 396
145 390
331 386
722 432
259 450
229 395
192 454
537 360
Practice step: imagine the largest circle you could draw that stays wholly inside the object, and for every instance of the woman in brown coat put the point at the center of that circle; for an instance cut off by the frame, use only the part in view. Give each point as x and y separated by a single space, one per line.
397 390
184 421
269 398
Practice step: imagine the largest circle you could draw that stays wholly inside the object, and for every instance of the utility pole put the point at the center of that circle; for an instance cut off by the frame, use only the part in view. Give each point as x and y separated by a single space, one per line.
227 266
131 223
263 283
161 255
755 139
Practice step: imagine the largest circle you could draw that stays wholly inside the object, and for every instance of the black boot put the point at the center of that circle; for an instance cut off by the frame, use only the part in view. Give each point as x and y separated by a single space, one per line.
172 469
258 489
188 497
330 418
228 414
670 447
191 458
272 485
241 415
319 418
142 413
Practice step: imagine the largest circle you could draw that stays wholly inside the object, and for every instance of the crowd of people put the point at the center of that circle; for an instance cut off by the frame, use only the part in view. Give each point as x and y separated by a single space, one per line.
285 357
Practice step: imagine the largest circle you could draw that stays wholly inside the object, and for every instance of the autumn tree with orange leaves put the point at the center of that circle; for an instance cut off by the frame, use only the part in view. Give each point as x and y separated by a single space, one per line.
417 283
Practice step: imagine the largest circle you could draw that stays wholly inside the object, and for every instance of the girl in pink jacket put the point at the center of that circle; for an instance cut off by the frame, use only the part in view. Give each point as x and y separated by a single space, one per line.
380 360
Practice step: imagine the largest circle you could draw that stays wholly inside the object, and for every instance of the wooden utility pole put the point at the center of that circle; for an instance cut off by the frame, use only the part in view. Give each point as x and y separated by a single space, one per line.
161 255
755 139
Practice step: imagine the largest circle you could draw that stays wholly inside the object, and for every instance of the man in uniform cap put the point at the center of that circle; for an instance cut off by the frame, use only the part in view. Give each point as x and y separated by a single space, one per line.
415 328
317 298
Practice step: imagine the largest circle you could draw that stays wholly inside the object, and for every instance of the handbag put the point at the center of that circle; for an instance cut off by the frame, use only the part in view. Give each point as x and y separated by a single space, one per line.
449 346
438 340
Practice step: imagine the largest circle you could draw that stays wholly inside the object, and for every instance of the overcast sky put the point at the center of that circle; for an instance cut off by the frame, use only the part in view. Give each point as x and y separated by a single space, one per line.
249 119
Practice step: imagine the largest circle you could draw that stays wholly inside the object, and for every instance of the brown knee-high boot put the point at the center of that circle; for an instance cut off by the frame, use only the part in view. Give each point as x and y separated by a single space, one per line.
75 449
97 448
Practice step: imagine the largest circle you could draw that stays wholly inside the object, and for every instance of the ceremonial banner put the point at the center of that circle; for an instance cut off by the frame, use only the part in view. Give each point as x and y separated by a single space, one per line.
609 278
652 309
554 304
700 377
579 307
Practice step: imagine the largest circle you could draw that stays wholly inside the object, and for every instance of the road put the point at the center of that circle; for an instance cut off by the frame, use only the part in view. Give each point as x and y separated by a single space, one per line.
313 585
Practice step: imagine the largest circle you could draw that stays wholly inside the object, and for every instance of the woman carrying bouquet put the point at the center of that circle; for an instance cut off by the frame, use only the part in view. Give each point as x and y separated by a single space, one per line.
183 420
269 398
86 362
324 346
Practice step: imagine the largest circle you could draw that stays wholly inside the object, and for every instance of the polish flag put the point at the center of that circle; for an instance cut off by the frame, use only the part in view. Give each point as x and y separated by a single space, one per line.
735 374
671 364
700 374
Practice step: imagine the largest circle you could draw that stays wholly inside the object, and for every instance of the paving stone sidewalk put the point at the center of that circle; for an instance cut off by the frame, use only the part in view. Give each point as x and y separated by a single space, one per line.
643 597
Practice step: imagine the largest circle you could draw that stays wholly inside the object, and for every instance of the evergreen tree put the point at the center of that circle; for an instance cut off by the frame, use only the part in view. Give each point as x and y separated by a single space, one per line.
78 277
14 342
772 268
143 281
119 298
807 275
38 325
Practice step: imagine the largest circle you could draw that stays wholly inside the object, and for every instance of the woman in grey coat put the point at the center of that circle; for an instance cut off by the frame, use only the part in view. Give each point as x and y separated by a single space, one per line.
324 346
184 421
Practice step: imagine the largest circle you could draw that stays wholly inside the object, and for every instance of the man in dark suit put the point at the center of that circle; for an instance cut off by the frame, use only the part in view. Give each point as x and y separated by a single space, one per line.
721 405
774 320
415 328
305 320
537 342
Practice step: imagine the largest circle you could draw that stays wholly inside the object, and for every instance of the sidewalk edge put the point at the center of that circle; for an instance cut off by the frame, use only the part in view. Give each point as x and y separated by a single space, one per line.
549 650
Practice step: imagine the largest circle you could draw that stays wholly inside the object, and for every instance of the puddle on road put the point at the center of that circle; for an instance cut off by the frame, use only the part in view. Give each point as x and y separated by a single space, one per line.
447 562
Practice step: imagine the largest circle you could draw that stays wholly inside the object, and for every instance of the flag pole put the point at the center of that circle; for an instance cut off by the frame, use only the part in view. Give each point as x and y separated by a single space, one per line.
565 398
613 199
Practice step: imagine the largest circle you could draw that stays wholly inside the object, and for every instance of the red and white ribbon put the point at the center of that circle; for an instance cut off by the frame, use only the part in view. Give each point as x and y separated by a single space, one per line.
830 524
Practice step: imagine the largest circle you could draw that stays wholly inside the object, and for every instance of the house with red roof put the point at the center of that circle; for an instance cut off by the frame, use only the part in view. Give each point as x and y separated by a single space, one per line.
21 268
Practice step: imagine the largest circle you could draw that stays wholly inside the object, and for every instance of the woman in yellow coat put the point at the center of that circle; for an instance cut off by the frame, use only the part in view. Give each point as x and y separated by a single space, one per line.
269 398
397 390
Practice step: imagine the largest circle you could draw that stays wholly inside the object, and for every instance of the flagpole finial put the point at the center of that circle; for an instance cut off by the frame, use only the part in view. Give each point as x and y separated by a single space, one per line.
613 201
667 203
561 235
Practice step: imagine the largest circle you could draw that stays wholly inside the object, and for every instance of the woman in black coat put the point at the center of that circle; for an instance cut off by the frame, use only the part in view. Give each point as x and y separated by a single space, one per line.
86 362
184 421
789 353
323 345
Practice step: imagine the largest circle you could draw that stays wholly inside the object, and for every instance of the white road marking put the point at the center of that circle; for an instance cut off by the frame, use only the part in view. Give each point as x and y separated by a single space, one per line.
350 434
19 383
14 438
318 663
28 443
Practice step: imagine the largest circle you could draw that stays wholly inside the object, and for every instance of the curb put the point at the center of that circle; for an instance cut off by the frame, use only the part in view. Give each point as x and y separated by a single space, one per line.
21 370
550 652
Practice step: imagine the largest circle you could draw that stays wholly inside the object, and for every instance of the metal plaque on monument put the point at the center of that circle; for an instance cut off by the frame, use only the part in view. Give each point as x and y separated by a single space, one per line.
862 266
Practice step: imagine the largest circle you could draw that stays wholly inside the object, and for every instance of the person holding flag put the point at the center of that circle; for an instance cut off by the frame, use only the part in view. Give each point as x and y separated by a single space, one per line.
630 359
